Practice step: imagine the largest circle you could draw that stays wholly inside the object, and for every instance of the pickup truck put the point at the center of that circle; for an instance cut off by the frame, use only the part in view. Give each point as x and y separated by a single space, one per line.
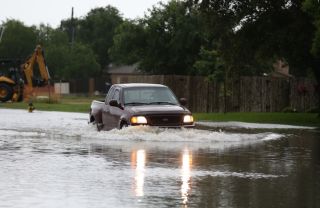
140 104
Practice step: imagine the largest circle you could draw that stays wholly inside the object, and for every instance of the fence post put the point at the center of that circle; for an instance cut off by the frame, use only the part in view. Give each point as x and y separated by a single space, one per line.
91 86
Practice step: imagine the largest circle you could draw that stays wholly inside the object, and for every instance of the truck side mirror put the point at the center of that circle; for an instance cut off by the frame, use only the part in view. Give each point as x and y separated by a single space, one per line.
114 103
183 101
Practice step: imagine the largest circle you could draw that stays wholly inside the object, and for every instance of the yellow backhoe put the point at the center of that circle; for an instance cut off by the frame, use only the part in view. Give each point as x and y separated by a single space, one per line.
12 85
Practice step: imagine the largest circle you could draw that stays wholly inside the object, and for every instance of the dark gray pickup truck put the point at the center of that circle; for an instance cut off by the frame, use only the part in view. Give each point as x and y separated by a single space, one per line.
140 104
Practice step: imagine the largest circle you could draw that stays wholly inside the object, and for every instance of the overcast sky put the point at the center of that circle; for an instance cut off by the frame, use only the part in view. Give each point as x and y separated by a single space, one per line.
34 12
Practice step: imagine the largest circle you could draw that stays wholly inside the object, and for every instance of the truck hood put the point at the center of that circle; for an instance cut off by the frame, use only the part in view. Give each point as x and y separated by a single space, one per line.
155 109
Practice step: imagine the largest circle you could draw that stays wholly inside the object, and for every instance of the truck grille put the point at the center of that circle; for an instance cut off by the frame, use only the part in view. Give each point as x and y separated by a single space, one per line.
165 120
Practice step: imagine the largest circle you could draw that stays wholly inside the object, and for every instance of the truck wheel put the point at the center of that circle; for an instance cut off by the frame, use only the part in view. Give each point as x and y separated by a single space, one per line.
6 92
123 125
99 126
91 120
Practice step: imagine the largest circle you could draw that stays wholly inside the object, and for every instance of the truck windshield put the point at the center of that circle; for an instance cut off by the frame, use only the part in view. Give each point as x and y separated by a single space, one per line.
148 96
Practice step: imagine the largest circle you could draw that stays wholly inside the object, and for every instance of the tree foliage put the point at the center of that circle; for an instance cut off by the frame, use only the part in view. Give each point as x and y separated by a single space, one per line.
82 62
167 41
313 8
173 39
205 37
97 30
249 36
129 43
252 35
18 40
210 64
66 62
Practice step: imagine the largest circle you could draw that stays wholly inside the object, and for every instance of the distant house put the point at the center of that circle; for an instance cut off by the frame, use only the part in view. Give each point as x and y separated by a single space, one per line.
119 73
281 69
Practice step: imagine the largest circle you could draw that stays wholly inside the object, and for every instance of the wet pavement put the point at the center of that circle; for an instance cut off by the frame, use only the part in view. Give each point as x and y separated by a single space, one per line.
51 159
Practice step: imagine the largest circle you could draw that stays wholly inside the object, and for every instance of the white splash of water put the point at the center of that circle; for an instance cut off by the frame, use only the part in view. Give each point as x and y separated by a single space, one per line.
64 125
233 124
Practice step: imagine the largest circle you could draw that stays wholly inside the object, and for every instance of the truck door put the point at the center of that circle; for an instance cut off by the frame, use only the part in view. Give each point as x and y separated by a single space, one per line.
113 114
106 120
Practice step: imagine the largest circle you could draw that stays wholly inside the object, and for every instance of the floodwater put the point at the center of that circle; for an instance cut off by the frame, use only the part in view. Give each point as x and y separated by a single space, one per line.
51 159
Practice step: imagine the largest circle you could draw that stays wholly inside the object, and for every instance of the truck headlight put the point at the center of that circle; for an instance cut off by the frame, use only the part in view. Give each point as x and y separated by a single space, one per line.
138 120
188 119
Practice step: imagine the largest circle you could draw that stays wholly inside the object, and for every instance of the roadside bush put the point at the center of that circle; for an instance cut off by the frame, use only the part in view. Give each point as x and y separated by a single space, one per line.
289 110
313 110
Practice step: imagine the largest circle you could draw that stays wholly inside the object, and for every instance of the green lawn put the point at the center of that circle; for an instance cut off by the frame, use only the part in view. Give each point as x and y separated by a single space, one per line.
66 104
305 119
65 107
82 104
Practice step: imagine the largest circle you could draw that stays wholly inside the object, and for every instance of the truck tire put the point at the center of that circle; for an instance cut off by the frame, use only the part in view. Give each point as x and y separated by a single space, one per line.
6 92
99 126
123 125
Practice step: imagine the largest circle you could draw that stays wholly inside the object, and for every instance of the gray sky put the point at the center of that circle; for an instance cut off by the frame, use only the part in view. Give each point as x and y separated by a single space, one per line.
34 12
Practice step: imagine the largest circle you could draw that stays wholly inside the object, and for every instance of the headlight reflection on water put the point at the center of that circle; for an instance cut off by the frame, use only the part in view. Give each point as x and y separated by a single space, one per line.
138 160
185 175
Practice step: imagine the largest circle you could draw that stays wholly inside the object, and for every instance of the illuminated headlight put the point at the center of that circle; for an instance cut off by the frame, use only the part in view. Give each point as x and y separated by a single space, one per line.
138 120
188 119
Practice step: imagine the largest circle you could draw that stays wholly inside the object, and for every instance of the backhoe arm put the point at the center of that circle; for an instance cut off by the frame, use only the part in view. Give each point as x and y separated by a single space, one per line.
28 69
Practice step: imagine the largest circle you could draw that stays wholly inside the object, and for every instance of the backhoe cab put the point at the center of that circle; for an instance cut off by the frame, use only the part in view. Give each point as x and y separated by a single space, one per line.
13 84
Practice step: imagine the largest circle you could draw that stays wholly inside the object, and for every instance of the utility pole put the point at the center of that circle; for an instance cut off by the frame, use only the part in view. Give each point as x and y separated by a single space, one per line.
1 32
72 29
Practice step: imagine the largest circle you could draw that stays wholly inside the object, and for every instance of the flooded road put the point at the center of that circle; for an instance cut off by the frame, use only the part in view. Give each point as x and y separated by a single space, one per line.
51 159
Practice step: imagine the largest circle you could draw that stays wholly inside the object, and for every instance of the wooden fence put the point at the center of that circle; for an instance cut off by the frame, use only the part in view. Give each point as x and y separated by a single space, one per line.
246 94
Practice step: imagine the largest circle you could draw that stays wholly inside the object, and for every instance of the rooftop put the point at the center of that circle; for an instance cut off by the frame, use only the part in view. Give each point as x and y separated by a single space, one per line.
127 85
123 69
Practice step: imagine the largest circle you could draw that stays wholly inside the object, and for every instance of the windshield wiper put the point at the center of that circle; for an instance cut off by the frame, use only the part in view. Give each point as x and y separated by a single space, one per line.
162 102
136 103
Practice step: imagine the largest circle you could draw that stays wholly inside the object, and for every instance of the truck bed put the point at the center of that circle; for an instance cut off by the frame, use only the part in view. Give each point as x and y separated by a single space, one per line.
96 110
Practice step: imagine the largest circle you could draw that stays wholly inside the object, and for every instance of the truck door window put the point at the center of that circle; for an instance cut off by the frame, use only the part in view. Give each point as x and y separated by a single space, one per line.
116 95
110 94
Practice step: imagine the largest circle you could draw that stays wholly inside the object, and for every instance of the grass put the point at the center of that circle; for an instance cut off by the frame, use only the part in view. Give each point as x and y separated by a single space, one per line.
65 104
302 119
82 104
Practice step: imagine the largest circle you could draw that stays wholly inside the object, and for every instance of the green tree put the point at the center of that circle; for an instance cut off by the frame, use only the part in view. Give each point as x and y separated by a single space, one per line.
129 43
313 8
251 35
278 30
82 63
97 30
43 32
210 64
18 40
173 39
57 52
65 62
167 41
57 58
